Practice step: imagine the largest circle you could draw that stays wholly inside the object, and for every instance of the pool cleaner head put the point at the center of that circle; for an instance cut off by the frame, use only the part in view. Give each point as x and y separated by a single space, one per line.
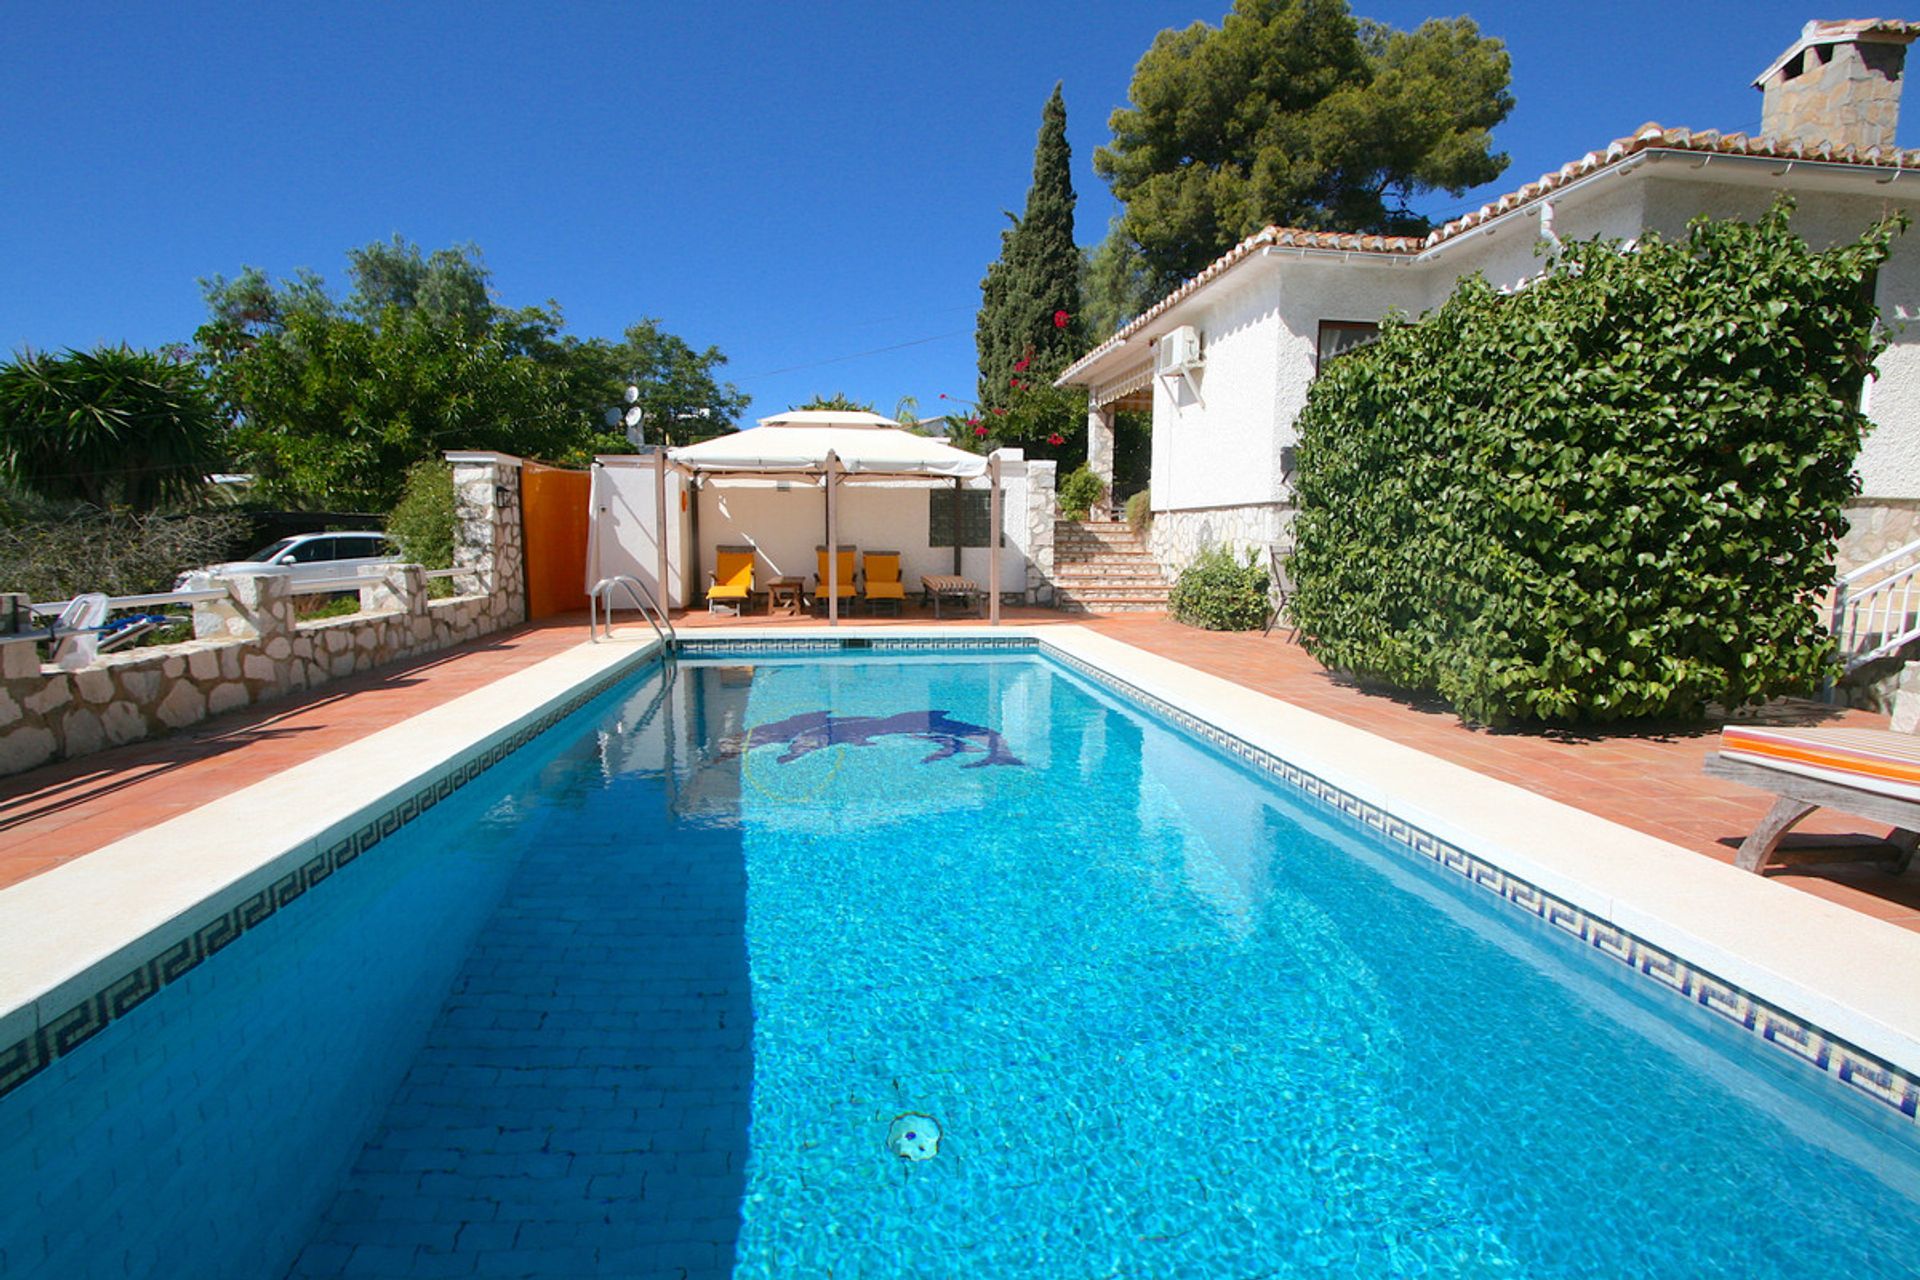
914 1137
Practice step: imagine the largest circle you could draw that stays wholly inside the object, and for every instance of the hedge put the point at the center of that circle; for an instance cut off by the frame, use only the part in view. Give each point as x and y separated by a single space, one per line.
1612 494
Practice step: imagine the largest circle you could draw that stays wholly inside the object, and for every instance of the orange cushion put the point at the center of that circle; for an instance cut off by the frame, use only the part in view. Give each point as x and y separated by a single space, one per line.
1878 760
886 591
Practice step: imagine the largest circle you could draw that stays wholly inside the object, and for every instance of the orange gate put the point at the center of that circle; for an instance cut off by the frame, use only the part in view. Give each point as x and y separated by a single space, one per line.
553 519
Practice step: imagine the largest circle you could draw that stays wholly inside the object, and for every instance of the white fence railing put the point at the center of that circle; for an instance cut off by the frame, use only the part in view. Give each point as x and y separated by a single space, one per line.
1876 608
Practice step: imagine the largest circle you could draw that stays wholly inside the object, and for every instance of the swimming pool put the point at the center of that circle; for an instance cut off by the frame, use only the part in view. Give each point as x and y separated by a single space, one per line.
924 964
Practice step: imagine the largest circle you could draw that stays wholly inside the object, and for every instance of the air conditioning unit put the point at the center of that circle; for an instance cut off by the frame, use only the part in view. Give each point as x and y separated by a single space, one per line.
1178 351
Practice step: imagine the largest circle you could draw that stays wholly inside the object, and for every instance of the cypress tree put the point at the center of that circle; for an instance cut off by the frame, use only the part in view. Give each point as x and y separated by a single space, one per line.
1030 299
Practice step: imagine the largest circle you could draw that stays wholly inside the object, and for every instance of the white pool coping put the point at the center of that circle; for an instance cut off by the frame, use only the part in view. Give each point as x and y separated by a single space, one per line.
67 932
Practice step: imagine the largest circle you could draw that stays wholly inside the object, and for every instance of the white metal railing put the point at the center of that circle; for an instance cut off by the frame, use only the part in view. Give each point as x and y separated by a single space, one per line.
1876 608
602 597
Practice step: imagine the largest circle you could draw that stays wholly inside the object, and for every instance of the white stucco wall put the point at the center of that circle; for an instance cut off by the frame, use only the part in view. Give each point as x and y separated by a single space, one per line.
1217 449
626 506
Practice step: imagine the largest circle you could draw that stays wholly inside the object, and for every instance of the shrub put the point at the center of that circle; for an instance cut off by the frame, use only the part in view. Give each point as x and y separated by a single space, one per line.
1140 511
1078 492
422 521
1222 593
1612 494
121 554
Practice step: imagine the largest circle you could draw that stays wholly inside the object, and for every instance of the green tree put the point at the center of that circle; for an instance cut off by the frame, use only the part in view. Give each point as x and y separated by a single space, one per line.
1029 328
680 391
332 401
1114 284
1294 112
112 427
840 401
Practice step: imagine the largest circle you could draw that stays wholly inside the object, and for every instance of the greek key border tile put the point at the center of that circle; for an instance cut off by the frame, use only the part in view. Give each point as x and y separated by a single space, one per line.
34 1053
1801 1041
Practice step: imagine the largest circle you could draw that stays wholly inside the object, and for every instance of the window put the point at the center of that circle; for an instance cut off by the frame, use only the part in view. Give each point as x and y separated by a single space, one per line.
1337 337
968 506
312 552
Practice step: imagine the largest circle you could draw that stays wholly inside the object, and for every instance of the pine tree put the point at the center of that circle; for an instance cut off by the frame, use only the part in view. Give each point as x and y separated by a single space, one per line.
1029 327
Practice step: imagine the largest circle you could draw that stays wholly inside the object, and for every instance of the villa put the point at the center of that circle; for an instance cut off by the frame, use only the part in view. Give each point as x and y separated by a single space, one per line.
1225 360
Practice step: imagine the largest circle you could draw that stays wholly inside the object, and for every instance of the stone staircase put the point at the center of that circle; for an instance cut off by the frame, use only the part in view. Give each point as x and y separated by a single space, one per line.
1104 567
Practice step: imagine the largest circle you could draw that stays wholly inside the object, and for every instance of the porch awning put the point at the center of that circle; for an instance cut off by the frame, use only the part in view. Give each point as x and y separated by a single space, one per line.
801 441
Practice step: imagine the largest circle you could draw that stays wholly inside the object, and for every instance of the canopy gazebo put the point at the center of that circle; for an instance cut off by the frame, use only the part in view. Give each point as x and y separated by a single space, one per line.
831 448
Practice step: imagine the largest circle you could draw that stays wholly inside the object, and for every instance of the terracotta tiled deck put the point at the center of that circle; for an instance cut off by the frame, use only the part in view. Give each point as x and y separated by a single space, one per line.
1647 779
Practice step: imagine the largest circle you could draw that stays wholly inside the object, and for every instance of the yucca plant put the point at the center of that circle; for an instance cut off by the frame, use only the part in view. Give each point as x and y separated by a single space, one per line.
112 427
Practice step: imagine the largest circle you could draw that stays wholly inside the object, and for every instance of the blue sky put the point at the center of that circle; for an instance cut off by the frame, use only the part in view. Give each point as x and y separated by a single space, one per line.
814 188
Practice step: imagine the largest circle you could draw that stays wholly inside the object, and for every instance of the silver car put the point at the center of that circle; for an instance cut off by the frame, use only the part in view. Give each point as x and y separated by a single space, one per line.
308 556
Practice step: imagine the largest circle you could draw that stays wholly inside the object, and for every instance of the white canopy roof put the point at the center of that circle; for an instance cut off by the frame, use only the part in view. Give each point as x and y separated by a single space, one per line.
802 440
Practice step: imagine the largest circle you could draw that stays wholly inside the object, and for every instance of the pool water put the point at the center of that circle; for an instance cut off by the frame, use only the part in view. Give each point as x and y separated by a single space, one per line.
959 966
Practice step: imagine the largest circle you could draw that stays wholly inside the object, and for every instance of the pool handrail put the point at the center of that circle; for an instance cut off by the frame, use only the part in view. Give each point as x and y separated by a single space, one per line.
602 594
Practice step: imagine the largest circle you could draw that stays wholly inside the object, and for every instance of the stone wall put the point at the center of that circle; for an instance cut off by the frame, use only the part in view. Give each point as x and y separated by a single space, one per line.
248 648
1176 538
1876 526
1043 508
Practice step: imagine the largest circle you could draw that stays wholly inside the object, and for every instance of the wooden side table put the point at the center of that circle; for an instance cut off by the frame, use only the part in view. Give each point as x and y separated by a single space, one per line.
784 596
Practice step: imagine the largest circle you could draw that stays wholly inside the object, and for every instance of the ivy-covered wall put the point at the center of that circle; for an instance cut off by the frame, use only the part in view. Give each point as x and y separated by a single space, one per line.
1612 494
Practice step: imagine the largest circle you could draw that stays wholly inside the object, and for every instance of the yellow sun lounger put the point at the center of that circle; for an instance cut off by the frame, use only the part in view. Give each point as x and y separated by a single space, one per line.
730 584
881 571
1871 773
844 567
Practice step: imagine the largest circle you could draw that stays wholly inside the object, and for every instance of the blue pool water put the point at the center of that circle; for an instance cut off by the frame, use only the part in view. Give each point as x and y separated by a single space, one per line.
665 991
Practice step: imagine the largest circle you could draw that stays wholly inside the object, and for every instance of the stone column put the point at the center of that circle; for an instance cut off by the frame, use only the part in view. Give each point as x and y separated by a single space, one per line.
487 536
1100 444
1043 508
258 605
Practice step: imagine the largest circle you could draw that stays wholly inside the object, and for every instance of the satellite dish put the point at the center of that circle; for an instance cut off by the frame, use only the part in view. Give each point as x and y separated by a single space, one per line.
635 416
613 417
633 394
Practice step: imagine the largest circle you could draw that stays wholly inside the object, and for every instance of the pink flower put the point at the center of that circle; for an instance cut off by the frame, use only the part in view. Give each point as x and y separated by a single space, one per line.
973 422
1060 319
1056 438
1020 365
1014 383
943 395
979 431
999 413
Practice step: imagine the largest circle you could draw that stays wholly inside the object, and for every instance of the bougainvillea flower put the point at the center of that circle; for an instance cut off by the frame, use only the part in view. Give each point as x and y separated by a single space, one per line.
973 422
1020 365
1060 319
1014 383
1056 438
943 395
999 413
979 431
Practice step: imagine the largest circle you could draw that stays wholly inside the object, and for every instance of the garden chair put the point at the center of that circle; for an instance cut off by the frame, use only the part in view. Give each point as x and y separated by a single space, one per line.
730 582
880 571
1279 585
1870 773
843 568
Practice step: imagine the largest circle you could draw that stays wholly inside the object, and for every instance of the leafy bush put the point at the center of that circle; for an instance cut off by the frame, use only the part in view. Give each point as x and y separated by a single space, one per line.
1222 593
1140 511
1612 494
120 554
423 520
1078 492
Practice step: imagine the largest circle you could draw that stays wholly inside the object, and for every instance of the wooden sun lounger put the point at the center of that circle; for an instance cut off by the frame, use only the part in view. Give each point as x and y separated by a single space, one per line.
951 588
1869 773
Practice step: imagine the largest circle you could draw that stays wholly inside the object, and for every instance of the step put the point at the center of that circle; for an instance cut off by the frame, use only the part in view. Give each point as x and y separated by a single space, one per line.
1109 595
1069 575
1118 559
1109 606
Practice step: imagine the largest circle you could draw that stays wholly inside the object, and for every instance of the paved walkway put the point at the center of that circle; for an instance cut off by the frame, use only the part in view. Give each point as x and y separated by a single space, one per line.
1649 779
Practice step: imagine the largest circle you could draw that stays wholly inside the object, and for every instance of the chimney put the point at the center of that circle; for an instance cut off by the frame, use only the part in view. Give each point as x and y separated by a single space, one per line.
1839 84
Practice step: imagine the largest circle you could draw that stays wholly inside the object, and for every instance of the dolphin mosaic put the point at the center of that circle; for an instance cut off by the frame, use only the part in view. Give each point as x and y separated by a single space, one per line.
812 731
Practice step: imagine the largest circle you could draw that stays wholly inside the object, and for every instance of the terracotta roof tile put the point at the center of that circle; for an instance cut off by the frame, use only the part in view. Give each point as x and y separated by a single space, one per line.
1648 137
